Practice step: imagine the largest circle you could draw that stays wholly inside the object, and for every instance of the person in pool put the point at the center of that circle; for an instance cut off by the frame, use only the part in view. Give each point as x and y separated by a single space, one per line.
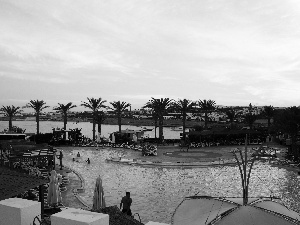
78 154
126 203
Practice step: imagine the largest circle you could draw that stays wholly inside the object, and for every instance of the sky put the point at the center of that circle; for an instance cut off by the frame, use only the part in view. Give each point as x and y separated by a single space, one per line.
234 52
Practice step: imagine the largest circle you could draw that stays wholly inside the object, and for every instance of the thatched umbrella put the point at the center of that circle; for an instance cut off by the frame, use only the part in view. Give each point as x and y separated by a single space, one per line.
98 199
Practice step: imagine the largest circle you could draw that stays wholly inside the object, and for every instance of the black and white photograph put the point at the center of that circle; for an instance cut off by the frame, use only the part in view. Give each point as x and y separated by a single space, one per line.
149 112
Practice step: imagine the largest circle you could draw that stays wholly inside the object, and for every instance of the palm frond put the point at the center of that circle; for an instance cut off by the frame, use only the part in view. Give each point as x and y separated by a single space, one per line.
94 104
37 105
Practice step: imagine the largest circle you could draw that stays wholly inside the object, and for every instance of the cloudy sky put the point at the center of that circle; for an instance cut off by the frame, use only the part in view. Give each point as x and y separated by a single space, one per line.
232 51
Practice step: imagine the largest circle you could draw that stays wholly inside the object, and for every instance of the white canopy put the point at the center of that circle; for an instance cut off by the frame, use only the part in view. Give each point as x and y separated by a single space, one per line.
201 210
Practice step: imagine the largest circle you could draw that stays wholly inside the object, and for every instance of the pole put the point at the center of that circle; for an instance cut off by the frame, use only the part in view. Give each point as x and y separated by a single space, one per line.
41 199
245 197
60 159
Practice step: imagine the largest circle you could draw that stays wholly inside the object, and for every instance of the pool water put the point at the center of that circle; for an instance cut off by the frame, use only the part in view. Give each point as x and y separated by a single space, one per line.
156 192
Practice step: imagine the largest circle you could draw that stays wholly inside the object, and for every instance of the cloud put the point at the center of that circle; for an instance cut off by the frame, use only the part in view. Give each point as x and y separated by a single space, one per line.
141 48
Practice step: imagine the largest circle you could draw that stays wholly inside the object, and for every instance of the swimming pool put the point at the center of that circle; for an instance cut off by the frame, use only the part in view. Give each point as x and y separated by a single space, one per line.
156 192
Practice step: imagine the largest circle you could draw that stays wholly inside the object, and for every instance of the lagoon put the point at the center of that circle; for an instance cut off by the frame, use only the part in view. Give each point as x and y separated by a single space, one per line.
87 128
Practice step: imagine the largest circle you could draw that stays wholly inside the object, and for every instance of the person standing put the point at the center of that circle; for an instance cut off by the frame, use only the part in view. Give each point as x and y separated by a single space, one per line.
126 203
60 157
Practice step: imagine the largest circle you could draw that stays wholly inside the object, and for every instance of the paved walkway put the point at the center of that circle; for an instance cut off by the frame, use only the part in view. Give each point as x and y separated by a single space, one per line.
68 197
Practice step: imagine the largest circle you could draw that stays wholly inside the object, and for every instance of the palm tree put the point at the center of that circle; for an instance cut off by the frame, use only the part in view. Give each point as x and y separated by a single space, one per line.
160 107
288 121
231 115
207 106
94 104
155 118
64 109
183 106
250 119
38 106
269 113
100 118
10 112
118 108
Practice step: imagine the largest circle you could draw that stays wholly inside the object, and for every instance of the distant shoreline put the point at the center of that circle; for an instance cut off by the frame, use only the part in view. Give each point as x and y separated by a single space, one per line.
125 121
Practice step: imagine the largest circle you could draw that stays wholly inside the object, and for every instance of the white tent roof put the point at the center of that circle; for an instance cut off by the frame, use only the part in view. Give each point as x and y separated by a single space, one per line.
278 208
201 210
248 215
240 200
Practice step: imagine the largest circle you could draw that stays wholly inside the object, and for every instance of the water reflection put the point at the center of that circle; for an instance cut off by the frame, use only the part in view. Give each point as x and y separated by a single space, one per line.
156 192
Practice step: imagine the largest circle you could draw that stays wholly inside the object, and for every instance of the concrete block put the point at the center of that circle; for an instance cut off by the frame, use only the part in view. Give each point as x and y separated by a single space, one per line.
72 216
18 211
155 223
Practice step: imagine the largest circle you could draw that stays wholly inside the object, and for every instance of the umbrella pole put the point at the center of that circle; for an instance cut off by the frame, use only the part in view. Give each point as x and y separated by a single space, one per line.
41 200
245 174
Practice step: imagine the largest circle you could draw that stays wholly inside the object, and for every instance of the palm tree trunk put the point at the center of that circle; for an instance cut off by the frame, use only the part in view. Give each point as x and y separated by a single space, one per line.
10 124
99 127
65 122
183 125
65 125
94 127
37 123
205 120
155 126
119 122
161 132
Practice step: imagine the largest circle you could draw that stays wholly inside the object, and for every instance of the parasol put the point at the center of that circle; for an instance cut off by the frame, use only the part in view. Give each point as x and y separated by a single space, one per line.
98 199
54 195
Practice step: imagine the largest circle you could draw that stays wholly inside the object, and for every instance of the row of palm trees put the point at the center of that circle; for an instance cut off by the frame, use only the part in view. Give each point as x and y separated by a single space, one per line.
94 104
159 107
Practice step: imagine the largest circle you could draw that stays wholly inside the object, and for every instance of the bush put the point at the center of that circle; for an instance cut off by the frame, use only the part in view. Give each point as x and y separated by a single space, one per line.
42 138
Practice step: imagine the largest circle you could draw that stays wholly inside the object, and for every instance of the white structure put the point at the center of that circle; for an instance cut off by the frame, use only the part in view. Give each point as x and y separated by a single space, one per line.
18 211
73 216
155 223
